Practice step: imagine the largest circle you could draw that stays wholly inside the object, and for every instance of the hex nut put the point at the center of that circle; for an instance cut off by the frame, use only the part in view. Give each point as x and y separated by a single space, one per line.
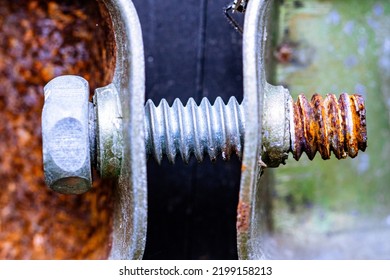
65 135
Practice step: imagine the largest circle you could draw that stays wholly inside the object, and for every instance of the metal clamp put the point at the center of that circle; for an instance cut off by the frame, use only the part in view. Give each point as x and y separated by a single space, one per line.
118 132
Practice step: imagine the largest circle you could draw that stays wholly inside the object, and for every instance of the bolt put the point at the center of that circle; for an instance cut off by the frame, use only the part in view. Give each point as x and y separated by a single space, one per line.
326 125
322 125
212 129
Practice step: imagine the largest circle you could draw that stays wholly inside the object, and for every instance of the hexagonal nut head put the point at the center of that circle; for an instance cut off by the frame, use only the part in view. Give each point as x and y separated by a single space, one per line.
65 135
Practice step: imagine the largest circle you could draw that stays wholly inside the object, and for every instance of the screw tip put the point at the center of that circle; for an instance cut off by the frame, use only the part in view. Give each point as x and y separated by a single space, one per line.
329 125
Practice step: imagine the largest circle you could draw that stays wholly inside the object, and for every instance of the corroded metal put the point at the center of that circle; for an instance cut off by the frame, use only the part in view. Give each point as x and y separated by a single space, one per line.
41 40
67 148
334 51
272 124
329 125
323 125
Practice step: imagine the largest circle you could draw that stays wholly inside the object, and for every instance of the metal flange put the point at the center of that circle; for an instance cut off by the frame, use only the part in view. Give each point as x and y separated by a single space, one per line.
130 209
249 216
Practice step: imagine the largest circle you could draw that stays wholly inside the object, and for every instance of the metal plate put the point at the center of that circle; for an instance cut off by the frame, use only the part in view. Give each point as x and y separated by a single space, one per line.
250 212
130 201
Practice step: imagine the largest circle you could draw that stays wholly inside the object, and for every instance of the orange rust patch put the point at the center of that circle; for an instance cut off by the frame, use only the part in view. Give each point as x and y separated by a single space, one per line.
243 214
38 41
285 52
326 125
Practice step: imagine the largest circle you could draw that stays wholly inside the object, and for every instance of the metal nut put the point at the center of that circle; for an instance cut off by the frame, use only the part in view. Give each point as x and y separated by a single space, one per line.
65 133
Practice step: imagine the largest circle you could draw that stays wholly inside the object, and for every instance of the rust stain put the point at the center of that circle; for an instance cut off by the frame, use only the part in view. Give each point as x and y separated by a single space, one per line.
330 125
38 41
284 53
243 214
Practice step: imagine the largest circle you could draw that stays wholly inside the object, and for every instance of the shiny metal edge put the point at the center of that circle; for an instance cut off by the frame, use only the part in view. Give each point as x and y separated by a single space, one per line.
249 212
130 195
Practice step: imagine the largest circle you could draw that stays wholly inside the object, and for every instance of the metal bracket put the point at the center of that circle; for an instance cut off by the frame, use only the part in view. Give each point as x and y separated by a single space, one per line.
250 229
274 126
131 194
130 208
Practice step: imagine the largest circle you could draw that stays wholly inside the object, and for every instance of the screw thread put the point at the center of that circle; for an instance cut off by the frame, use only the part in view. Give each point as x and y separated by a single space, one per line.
211 129
328 124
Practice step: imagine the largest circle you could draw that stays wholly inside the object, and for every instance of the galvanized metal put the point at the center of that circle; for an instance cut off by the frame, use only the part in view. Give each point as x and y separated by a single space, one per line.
249 213
65 135
109 131
277 125
212 129
323 125
130 205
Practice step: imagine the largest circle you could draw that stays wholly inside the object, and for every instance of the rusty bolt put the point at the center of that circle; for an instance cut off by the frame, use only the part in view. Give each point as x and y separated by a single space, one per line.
329 125
323 125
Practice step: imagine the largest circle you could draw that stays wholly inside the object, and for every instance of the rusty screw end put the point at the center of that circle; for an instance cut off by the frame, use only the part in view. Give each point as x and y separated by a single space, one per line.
328 125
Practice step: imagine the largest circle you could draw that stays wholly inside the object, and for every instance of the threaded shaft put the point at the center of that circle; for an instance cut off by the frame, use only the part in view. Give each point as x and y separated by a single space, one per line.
326 125
206 128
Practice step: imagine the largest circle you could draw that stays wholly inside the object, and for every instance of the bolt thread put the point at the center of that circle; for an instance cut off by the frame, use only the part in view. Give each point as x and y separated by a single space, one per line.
327 125
211 129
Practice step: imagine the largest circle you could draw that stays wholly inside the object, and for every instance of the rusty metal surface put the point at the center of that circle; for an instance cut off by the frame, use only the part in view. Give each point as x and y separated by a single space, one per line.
322 125
40 40
329 125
